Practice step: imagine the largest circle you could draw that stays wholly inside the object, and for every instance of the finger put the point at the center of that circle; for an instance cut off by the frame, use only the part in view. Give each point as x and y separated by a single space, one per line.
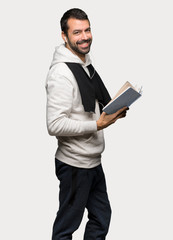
124 108
122 115
121 110
103 114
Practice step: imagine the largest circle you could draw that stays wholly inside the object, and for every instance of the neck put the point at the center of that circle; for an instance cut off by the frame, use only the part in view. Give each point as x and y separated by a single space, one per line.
81 56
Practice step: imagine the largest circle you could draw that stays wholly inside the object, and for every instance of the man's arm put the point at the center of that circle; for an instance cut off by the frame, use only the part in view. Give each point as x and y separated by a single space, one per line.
59 105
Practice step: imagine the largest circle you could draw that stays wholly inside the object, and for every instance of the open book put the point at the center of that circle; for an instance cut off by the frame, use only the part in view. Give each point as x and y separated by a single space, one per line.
124 97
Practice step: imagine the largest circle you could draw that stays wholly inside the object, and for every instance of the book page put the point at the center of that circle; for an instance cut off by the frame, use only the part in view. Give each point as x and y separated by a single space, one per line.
123 88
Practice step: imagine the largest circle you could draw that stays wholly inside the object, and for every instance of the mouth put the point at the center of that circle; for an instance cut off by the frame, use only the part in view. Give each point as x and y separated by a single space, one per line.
84 43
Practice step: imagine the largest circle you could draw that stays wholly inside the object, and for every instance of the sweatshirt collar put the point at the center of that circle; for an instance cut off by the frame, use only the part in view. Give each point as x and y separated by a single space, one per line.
63 54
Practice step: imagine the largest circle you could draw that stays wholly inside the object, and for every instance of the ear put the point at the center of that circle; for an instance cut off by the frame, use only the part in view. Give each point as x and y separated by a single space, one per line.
64 37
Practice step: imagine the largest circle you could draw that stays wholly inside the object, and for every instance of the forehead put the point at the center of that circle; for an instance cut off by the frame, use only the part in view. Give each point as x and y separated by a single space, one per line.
78 24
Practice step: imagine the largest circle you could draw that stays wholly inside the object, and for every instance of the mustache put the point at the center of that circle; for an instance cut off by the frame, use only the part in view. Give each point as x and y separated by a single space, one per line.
84 41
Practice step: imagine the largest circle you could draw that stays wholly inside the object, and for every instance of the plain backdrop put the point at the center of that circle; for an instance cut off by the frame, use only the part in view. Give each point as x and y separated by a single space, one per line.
132 41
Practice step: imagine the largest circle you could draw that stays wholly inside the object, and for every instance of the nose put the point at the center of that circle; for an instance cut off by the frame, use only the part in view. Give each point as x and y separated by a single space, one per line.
84 36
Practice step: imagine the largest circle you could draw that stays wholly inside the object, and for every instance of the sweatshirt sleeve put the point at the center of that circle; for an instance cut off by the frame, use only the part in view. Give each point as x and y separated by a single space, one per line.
59 104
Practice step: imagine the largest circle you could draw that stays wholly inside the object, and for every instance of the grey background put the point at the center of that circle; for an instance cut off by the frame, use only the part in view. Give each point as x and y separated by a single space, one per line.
132 41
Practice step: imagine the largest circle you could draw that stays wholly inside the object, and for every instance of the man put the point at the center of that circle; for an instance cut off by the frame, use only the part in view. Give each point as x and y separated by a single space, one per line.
75 97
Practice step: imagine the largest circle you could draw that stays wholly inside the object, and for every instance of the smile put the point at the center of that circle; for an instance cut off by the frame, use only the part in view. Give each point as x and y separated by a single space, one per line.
84 45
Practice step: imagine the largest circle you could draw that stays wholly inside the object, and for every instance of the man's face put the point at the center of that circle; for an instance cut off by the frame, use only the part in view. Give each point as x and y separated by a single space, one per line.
79 37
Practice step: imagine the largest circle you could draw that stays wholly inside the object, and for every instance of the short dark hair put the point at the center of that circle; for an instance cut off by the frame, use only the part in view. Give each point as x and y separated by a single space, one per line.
75 13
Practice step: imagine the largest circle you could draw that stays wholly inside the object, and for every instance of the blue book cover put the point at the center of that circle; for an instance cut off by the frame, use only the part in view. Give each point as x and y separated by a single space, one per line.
126 98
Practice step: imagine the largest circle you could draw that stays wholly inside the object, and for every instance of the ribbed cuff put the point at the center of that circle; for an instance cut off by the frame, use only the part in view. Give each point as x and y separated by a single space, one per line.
89 126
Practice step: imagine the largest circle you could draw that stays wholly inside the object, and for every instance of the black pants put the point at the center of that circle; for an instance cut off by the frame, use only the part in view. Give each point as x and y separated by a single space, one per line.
79 189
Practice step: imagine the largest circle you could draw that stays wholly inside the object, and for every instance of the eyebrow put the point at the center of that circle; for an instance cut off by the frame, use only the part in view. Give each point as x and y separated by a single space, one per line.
79 30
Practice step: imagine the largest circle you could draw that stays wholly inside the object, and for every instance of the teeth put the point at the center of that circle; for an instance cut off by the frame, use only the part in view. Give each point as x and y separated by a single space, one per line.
84 43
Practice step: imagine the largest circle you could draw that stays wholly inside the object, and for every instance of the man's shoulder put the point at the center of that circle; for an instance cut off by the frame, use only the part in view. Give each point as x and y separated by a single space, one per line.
60 69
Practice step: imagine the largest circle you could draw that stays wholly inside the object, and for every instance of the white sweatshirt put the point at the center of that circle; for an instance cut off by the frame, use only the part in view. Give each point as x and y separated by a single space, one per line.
79 142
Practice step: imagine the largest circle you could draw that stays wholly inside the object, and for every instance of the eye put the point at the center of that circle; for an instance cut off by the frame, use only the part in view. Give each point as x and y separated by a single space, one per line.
88 30
76 32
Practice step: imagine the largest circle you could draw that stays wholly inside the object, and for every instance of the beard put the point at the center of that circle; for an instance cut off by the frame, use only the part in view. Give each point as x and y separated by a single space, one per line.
77 47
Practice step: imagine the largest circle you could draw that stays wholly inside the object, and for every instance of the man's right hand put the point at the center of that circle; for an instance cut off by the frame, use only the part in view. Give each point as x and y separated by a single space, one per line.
105 120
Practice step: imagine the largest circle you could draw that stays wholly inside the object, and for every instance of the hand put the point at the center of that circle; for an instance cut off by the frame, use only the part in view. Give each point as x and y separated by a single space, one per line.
105 120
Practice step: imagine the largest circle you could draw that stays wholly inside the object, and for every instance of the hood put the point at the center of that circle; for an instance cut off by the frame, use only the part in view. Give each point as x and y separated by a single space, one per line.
63 54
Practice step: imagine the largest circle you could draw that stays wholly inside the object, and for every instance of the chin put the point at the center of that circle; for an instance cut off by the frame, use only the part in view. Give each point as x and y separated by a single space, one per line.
85 51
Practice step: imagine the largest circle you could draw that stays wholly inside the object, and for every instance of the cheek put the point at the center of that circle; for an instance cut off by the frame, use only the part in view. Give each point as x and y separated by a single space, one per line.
74 39
77 39
89 35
